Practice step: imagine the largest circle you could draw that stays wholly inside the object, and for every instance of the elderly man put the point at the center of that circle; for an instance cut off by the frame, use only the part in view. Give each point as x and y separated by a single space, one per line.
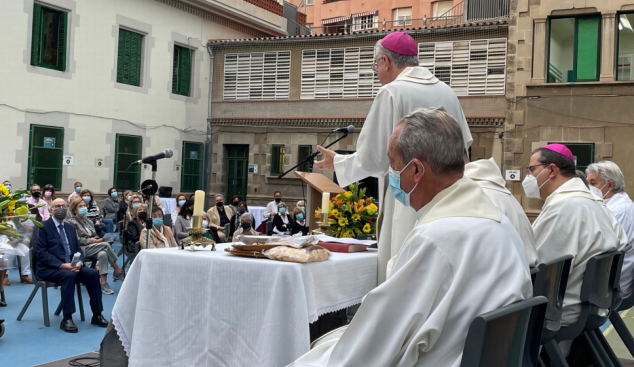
77 188
219 216
271 208
486 173
607 177
463 258
571 221
54 249
406 87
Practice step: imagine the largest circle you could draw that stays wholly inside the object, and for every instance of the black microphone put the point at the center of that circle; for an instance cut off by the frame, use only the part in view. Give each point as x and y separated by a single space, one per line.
344 130
167 153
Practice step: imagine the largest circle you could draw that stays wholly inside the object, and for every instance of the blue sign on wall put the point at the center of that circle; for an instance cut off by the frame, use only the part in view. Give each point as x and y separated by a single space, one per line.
193 154
49 142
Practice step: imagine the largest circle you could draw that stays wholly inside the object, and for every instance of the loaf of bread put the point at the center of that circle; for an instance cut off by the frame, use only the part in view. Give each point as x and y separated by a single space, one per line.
298 255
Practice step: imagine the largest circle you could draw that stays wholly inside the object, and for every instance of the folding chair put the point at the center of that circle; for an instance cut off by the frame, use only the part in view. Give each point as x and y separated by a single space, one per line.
269 228
600 283
506 337
40 284
619 325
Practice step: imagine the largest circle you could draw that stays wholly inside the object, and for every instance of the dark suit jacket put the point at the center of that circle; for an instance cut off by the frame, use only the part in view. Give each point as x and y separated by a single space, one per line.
49 250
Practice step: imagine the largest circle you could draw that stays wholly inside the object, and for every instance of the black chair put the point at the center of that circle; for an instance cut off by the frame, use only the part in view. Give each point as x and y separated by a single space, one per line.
167 220
551 281
599 288
506 337
269 227
619 325
40 284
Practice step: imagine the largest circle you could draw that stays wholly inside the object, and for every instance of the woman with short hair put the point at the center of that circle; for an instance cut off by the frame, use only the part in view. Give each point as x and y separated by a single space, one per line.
160 235
183 220
282 220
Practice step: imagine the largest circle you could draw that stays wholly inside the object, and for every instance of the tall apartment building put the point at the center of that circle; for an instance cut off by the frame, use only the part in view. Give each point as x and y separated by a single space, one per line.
90 86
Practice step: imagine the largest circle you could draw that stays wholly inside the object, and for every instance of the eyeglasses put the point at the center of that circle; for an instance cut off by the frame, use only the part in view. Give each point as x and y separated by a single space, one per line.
63 206
375 65
529 169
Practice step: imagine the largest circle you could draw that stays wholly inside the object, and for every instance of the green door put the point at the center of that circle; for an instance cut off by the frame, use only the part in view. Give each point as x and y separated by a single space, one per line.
46 150
237 165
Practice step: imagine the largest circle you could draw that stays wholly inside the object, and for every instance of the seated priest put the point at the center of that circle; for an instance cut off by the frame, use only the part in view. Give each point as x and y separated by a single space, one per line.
462 259
487 174
571 221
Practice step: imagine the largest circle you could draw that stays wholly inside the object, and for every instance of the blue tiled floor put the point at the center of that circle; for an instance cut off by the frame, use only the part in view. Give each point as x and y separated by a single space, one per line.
29 342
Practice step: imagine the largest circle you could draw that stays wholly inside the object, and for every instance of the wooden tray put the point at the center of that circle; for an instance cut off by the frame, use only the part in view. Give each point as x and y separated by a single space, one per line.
253 247
256 254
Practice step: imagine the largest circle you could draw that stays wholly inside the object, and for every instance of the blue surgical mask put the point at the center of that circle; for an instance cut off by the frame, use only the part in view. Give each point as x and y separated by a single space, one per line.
157 222
79 188
282 211
395 184
87 199
181 202
82 211
135 205
8 187
113 194
300 217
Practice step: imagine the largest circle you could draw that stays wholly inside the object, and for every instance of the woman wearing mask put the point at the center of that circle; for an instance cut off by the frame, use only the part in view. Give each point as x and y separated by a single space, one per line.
110 208
282 221
246 227
183 220
49 195
241 208
93 211
299 222
160 235
302 205
180 201
93 245
233 203
135 200
135 227
124 202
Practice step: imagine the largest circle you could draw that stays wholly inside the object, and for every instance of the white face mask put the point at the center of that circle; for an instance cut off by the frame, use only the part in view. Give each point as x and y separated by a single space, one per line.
596 192
601 190
531 189
205 223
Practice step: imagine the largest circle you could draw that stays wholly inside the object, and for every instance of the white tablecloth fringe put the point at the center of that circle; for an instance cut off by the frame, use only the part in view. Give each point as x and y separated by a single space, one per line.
123 337
322 311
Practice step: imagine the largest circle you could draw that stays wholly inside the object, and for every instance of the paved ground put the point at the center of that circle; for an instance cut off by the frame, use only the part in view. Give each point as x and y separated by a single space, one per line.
615 341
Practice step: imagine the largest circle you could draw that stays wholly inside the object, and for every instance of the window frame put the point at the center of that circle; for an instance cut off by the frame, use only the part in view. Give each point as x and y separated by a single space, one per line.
176 67
307 166
309 2
251 76
402 22
592 146
120 79
275 162
135 170
362 23
37 36
618 46
575 43
201 159
31 164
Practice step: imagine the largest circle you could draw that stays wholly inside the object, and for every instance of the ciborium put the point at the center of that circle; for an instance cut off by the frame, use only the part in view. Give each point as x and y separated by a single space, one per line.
196 236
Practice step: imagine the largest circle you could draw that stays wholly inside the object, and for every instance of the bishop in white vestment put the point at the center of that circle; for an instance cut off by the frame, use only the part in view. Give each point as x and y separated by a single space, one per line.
405 89
487 174
463 258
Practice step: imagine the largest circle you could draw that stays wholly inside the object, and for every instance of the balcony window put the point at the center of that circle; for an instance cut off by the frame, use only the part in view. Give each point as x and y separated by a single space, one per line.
402 16
574 49
365 22
624 70
442 7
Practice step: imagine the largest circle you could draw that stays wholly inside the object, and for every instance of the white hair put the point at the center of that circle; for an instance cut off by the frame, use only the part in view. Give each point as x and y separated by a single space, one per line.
219 195
397 59
608 171
248 216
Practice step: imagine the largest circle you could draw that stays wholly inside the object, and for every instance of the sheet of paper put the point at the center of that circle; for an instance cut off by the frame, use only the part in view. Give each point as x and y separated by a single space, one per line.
325 238
110 237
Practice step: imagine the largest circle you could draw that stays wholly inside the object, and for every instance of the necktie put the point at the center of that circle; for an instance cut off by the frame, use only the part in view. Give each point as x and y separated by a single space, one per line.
65 242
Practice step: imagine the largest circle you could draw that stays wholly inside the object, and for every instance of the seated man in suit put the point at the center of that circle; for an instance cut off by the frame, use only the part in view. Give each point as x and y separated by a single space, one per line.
55 246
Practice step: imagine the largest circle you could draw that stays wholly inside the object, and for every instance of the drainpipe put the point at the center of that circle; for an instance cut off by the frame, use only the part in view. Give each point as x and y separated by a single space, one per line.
208 143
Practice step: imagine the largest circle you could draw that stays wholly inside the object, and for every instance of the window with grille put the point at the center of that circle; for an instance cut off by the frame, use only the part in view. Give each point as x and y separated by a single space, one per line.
192 166
129 58
277 159
46 150
402 16
365 22
127 150
303 151
470 68
339 73
181 70
257 75
48 43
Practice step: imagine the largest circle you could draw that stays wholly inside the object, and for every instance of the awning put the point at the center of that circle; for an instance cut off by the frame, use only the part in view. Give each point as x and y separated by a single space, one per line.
335 20
365 13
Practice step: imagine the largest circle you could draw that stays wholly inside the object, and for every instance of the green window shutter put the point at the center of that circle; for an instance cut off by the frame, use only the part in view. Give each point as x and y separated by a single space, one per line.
277 159
61 43
46 148
184 71
129 57
127 150
35 39
304 151
587 57
175 70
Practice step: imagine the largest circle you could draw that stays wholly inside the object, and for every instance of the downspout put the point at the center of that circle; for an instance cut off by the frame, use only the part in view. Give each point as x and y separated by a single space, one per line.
208 142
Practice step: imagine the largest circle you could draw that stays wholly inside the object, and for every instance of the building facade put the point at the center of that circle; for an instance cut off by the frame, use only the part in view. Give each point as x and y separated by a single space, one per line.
273 100
90 86
570 81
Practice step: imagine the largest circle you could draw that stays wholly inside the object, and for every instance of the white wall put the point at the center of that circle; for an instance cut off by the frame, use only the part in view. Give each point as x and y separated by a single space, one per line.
91 106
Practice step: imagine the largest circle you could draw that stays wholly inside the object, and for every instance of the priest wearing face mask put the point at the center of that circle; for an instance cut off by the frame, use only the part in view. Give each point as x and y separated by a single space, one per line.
571 221
219 216
36 199
463 258
606 177
160 236
246 227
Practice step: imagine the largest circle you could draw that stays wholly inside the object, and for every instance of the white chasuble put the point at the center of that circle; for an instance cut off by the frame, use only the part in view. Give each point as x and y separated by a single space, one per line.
463 259
414 88
572 222
487 174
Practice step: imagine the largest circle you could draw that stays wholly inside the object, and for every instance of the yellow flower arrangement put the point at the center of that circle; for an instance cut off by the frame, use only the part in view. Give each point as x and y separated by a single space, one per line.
11 209
351 213
367 228
356 217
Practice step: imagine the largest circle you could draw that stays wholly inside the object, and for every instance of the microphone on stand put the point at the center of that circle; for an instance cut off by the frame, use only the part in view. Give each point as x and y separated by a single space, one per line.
344 130
167 153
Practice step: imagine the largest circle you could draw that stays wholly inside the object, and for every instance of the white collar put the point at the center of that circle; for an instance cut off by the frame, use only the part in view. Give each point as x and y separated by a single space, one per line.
417 74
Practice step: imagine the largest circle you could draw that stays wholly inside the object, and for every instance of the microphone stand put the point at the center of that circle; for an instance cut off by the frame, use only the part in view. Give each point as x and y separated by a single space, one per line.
148 220
312 156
